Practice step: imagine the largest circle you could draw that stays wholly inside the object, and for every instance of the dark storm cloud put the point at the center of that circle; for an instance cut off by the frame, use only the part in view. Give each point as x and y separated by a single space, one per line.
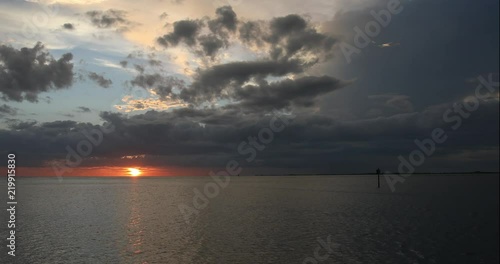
210 83
22 125
292 34
402 110
284 26
154 62
210 137
302 92
250 32
68 26
139 106
226 19
26 72
162 85
124 63
285 37
111 18
293 45
83 109
6 110
139 68
184 31
146 80
211 45
47 140
187 32
100 80
220 81
429 65
59 125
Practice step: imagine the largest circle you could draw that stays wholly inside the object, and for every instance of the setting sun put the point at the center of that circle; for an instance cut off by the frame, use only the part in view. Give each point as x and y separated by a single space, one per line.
134 172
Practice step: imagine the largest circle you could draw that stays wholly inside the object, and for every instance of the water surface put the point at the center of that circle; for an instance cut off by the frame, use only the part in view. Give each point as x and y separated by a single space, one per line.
429 219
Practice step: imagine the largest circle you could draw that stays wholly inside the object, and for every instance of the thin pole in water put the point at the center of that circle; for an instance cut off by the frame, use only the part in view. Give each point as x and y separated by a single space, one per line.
378 177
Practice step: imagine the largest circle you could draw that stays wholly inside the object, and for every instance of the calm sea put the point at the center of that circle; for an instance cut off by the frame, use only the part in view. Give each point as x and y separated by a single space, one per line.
429 219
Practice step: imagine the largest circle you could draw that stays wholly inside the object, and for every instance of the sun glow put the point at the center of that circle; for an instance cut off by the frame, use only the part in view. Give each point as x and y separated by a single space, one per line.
134 172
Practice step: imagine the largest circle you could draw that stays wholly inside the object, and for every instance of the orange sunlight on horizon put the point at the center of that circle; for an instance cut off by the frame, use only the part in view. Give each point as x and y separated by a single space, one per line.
98 171
134 172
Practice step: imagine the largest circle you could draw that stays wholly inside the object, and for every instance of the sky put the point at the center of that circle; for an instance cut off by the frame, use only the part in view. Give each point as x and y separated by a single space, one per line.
195 87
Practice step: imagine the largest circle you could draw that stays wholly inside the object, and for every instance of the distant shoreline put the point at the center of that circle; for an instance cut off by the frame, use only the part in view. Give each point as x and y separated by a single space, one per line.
372 173
278 175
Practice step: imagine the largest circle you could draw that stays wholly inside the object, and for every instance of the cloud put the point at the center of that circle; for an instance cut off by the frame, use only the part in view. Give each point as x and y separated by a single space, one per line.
401 103
226 20
301 92
83 109
163 86
100 80
241 68
154 62
163 15
286 37
7 110
188 32
284 26
389 104
111 18
288 47
211 45
313 141
68 26
150 103
214 82
294 38
22 125
292 34
27 72
249 33
184 31
60 125
139 68
124 63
